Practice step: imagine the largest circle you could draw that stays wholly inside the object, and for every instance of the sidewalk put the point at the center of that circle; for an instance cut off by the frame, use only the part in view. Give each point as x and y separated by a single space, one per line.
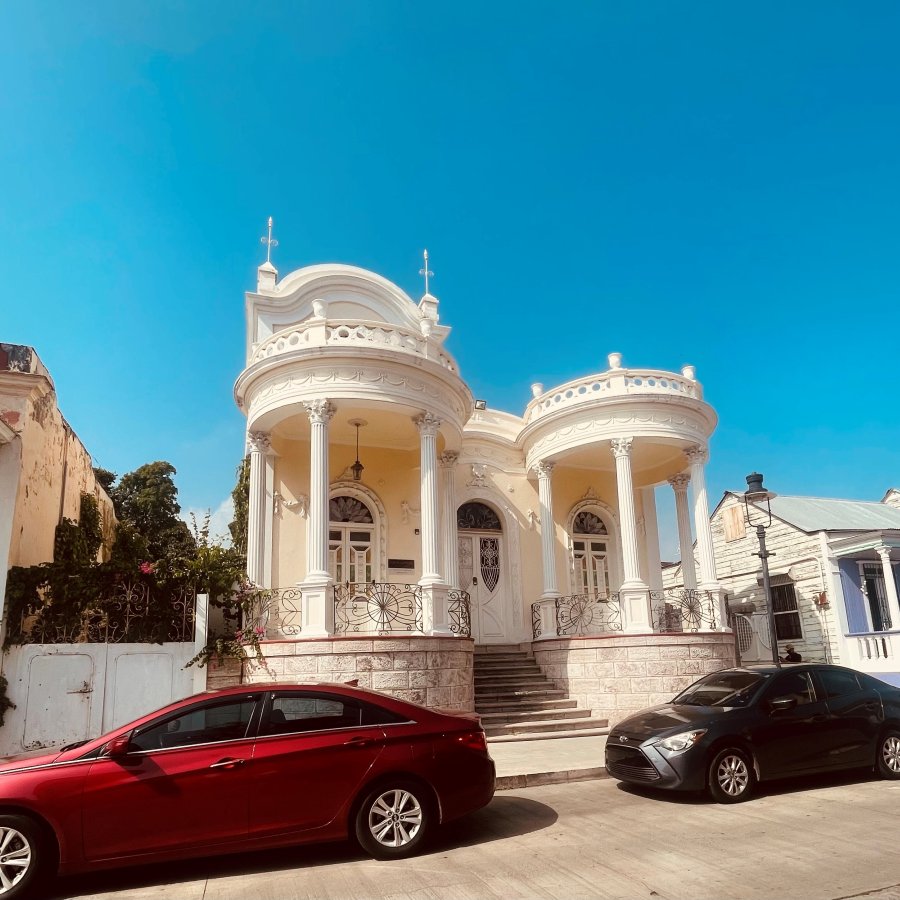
548 761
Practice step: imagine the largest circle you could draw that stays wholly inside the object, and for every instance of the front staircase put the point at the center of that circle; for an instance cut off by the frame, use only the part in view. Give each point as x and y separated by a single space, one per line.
517 702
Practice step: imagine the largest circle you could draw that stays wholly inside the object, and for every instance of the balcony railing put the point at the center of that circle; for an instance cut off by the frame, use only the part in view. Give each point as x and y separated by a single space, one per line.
684 610
377 608
459 613
576 614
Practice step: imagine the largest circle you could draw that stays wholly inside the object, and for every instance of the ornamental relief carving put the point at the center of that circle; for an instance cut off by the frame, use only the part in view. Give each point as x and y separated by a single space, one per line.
418 392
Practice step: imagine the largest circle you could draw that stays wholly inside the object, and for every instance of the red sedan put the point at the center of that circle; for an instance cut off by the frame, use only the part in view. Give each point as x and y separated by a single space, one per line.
239 769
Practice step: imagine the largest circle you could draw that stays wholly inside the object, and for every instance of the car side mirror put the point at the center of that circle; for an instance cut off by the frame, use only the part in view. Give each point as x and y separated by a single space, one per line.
780 704
119 746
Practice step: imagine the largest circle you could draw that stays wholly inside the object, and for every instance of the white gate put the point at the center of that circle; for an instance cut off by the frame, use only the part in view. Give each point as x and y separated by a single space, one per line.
75 691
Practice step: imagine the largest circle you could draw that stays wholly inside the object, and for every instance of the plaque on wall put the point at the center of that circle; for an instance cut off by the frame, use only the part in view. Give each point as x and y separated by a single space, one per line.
401 563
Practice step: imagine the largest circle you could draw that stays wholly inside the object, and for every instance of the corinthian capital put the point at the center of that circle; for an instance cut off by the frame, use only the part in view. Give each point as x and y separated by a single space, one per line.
697 455
427 424
449 459
621 447
260 441
320 411
543 469
680 482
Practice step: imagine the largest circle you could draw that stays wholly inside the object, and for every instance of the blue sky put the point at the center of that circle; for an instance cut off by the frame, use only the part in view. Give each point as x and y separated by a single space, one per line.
709 183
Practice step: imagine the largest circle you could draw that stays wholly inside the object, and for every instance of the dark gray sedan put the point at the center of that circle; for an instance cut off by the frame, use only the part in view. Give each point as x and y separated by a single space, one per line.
734 728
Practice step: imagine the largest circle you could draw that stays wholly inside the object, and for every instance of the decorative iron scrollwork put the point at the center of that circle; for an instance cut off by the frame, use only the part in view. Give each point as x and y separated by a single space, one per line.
588 614
476 516
459 613
378 607
684 610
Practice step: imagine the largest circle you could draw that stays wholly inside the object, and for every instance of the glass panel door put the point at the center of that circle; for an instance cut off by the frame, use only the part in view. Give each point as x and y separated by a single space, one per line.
590 565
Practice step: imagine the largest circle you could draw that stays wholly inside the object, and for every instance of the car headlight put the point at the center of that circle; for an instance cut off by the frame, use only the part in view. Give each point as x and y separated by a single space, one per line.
678 743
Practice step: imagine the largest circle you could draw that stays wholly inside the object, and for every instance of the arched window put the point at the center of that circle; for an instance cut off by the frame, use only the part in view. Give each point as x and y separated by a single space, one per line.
351 540
590 554
476 516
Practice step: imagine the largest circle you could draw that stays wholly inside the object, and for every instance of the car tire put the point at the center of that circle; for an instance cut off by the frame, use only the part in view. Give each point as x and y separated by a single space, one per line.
394 819
24 857
730 777
887 761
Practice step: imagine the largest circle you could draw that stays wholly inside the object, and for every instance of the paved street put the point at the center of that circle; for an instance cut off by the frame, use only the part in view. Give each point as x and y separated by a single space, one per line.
834 838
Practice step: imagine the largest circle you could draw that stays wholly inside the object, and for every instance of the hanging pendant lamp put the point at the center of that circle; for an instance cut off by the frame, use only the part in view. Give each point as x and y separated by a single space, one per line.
357 467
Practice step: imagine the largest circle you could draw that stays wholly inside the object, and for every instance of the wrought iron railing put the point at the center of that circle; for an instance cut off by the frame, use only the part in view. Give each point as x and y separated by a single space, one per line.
275 611
579 614
459 613
377 607
130 613
684 610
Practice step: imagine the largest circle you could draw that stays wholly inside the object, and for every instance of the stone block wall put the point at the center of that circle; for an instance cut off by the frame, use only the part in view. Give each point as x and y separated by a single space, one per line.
432 671
223 674
617 675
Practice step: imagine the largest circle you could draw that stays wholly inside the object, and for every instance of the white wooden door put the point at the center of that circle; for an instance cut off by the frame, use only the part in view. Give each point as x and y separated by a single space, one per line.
481 565
59 695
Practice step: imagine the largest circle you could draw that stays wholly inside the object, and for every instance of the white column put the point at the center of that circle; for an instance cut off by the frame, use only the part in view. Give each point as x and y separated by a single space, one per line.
890 585
634 595
260 444
651 538
428 427
621 449
697 457
450 564
685 542
316 589
544 472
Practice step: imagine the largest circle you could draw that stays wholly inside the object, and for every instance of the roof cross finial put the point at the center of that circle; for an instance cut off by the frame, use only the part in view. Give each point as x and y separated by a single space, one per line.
426 271
269 241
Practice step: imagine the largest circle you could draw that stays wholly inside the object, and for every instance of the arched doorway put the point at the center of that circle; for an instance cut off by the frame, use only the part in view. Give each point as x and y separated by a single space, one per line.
590 542
351 540
482 568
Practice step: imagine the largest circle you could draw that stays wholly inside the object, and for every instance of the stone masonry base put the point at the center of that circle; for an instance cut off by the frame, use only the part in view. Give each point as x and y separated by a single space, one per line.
432 671
617 675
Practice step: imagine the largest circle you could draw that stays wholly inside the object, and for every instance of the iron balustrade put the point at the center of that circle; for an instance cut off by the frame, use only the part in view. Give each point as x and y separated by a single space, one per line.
579 614
684 610
377 607
459 613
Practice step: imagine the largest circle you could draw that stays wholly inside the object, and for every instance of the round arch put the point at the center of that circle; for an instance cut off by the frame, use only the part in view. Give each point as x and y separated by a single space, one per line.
602 511
373 503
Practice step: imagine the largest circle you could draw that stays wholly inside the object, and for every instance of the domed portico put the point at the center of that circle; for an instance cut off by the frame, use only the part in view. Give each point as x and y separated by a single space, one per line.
641 428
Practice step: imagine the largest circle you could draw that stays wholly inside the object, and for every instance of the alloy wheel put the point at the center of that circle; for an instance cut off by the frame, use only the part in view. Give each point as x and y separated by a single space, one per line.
733 775
15 858
395 818
890 753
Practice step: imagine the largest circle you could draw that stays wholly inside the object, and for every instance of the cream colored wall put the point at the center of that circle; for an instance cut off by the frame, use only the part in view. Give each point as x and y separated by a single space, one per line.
55 469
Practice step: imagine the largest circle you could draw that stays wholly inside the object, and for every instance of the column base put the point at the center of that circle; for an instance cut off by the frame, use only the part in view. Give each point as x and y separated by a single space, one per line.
317 606
634 601
719 605
435 611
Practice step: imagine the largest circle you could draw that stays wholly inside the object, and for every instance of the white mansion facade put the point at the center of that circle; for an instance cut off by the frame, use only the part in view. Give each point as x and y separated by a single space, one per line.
392 514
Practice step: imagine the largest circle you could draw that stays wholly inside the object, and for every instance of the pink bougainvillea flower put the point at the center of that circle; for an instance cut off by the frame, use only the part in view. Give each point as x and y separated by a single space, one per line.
146 568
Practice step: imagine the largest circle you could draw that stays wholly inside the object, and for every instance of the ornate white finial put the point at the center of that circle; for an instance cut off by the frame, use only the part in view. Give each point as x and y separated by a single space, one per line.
689 372
426 271
537 389
614 360
270 242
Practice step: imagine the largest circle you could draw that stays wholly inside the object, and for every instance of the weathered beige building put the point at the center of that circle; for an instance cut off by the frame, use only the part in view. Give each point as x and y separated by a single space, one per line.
44 467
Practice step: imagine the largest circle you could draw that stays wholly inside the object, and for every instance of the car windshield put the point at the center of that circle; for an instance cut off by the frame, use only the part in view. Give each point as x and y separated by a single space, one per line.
730 688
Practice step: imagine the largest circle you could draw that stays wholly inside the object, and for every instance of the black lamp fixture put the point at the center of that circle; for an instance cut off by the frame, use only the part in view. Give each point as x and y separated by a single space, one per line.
357 467
761 518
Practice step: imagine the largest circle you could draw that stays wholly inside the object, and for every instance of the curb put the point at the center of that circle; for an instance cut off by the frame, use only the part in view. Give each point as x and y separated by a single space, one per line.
511 782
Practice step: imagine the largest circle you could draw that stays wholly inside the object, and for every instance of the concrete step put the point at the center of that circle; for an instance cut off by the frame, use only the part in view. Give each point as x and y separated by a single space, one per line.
493 665
491 649
543 726
510 695
552 735
518 716
520 704
484 658
530 674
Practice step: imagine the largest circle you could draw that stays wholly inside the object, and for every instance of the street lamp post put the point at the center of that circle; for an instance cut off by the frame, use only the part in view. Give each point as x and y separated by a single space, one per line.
754 494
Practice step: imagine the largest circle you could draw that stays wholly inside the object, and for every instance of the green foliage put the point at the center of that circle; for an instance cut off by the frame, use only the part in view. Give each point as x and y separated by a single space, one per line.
77 543
105 478
241 498
91 525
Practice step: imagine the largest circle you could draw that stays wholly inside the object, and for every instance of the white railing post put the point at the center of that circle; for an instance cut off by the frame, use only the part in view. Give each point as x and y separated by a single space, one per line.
201 630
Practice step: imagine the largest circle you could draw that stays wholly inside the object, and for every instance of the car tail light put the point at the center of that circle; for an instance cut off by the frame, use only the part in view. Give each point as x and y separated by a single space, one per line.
473 740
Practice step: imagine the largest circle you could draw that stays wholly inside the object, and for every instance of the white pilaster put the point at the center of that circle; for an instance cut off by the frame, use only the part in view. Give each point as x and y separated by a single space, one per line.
697 457
685 542
651 539
316 588
890 586
450 563
544 472
634 595
258 530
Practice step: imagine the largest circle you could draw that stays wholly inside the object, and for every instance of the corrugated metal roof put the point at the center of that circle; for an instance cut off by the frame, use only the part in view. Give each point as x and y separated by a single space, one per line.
825 514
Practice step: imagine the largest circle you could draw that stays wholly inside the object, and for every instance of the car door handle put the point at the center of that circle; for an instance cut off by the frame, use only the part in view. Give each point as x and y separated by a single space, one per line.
227 764
358 742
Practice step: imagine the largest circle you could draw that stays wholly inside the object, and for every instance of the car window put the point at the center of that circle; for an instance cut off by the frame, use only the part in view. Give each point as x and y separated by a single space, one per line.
295 713
794 684
204 723
838 682
732 687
